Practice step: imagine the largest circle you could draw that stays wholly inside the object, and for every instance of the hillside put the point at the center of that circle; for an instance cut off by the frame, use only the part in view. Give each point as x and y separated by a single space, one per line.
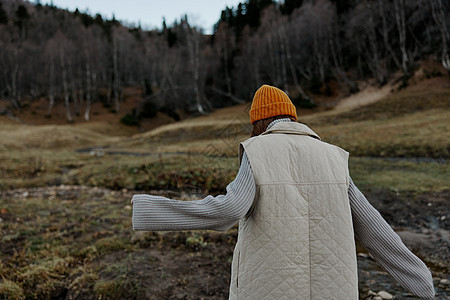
65 190
59 64
408 123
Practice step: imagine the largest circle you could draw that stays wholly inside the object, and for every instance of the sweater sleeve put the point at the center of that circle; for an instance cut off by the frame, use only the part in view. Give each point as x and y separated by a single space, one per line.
387 248
153 213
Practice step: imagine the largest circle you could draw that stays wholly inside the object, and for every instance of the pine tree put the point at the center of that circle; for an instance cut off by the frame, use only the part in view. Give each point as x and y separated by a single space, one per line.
253 9
289 5
22 16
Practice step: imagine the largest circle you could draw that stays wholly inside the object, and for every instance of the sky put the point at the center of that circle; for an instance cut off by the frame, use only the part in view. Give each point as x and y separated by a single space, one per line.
150 13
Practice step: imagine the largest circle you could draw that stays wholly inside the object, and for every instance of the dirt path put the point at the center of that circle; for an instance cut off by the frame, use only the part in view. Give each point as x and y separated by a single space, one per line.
366 96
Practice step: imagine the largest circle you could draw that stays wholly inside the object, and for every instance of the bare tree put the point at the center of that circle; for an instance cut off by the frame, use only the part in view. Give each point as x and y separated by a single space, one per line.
88 85
224 45
272 56
12 63
378 71
283 56
335 51
14 80
247 75
51 85
116 79
292 69
384 32
62 45
193 37
439 18
65 84
399 9
74 87
316 15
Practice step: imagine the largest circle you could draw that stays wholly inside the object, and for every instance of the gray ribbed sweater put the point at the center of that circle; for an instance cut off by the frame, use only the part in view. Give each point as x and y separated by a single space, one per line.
222 212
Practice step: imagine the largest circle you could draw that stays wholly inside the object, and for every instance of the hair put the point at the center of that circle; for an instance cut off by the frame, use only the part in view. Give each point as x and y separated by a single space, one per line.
261 125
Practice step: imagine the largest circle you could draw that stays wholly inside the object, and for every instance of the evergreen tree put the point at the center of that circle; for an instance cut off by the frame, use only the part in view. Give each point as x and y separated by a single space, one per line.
22 16
289 5
343 6
253 9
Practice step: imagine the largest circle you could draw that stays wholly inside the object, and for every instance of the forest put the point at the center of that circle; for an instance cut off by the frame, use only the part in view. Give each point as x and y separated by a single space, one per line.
300 46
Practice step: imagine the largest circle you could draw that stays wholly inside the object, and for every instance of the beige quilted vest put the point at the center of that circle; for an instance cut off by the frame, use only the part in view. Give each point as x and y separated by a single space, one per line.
297 242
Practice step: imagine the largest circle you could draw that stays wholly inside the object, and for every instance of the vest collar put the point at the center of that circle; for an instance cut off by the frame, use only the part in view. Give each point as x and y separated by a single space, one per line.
291 128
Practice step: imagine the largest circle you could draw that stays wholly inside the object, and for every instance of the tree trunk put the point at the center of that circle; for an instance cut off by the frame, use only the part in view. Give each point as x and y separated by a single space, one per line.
438 15
337 65
358 60
196 77
319 58
272 59
194 53
282 42
293 72
225 62
386 35
73 89
254 65
399 8
116 84
88 88
65 87
51 102
14 93
378 71
51 87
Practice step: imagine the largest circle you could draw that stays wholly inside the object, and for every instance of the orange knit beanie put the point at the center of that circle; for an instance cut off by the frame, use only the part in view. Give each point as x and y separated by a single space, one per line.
269 102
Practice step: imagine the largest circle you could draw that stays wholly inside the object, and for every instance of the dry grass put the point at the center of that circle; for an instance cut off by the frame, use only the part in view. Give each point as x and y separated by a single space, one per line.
10 290
76 242
392 105
400 175
202 151
420 134
55 137
48 244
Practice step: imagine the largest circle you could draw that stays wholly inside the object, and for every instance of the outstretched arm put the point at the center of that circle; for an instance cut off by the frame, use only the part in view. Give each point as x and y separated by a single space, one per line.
387 248
153 213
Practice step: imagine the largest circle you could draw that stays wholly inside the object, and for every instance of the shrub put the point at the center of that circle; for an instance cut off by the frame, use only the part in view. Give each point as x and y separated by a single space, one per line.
130 120
148 109
404 82
432 73
304 103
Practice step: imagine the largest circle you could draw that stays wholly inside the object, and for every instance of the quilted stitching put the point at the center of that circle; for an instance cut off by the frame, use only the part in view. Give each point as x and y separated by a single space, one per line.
300 247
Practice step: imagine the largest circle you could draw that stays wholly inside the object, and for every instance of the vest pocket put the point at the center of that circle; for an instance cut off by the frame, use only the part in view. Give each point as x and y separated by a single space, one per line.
235 268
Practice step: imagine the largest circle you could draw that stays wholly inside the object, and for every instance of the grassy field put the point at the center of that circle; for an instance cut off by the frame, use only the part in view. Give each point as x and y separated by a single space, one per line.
202 152
66 243
64 207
